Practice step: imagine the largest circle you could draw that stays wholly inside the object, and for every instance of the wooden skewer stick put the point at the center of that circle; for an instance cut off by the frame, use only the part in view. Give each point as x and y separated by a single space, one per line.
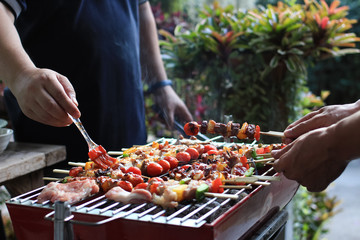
241 180
262 160
273 134
267 178
265 155
51 179
77 164
261 183
61 171
221 195
236 186
116 153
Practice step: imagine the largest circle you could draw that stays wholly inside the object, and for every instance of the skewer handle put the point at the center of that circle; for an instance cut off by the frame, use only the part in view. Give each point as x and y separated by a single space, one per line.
61 171
221 195
273 134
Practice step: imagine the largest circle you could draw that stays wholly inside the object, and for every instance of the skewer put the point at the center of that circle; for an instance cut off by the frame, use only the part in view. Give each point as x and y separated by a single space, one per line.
263 160
117 153
51 179
77 164
61 171
267 178
222 195
236 186
273 134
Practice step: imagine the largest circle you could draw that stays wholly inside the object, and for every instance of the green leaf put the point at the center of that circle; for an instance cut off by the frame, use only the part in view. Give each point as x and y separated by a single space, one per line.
290 65
274 61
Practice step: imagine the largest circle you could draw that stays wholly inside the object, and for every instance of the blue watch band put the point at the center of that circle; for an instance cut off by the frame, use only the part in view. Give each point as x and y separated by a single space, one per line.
160 84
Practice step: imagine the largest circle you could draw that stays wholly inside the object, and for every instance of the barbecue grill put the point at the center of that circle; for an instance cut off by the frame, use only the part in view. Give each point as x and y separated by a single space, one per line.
99 218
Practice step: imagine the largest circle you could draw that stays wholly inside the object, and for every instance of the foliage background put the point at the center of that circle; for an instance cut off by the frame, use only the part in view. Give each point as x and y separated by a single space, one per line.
341 76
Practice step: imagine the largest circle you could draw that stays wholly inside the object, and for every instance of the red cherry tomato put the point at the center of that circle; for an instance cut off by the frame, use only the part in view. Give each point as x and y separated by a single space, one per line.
209 147
154 169
154 187
165 165
260 151
127 186
141 186
74 172
215 186
194 154
135 179
172 160
257 133
134 170
183 156
191 128
210 152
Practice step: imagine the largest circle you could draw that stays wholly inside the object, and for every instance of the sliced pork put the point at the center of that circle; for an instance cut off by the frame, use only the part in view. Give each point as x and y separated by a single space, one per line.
135 196
68 192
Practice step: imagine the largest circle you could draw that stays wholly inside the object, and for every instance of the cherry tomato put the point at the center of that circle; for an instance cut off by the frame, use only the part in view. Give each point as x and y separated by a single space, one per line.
127 186
209 147
134 170
183 156
165 165
172 160
267 149
191 128
141 186
154 169
260 151
215 186
194 154
74 172
154 187
210 152
257 133
135 179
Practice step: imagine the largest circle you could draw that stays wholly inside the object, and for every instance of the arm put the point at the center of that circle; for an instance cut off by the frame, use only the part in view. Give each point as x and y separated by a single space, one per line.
154 71
324 117
317 158
43 95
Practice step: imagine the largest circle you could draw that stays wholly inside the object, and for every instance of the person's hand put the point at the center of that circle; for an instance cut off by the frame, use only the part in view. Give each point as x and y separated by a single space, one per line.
45 96
314 159
172 105
323 117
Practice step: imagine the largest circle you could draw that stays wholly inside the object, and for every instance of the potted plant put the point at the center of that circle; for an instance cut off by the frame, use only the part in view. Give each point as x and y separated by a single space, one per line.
252 64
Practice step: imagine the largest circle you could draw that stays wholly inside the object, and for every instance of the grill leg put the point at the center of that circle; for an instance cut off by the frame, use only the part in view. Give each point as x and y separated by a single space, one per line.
62 229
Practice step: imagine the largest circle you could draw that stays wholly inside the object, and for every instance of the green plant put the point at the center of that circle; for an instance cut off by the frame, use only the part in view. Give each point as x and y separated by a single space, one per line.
311 211
253 64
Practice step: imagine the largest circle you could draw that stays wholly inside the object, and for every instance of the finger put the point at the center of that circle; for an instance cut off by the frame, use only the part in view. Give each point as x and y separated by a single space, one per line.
184 114
62 99
68 88
305 118
278 153
304 127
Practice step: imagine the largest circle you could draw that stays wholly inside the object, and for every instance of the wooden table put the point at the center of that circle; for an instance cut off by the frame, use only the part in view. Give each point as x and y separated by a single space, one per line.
22 164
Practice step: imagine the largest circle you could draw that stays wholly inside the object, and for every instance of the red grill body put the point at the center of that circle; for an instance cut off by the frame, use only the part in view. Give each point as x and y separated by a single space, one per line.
240 221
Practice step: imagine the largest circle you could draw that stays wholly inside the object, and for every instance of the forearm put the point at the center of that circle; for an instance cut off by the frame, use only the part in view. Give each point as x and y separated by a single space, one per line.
152 65
345 137
13 58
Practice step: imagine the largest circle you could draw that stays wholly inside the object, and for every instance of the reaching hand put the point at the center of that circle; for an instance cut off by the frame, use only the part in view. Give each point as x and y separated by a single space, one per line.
313 160
45 96
172 105
324 117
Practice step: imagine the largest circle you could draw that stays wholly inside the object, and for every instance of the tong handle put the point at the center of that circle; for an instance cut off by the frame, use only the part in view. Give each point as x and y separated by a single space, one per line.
81 128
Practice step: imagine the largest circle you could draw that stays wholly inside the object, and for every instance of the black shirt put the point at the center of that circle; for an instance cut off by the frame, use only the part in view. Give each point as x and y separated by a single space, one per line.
95 44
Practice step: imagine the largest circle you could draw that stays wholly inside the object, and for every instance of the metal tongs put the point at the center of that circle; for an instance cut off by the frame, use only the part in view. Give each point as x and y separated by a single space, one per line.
96 152
91 144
